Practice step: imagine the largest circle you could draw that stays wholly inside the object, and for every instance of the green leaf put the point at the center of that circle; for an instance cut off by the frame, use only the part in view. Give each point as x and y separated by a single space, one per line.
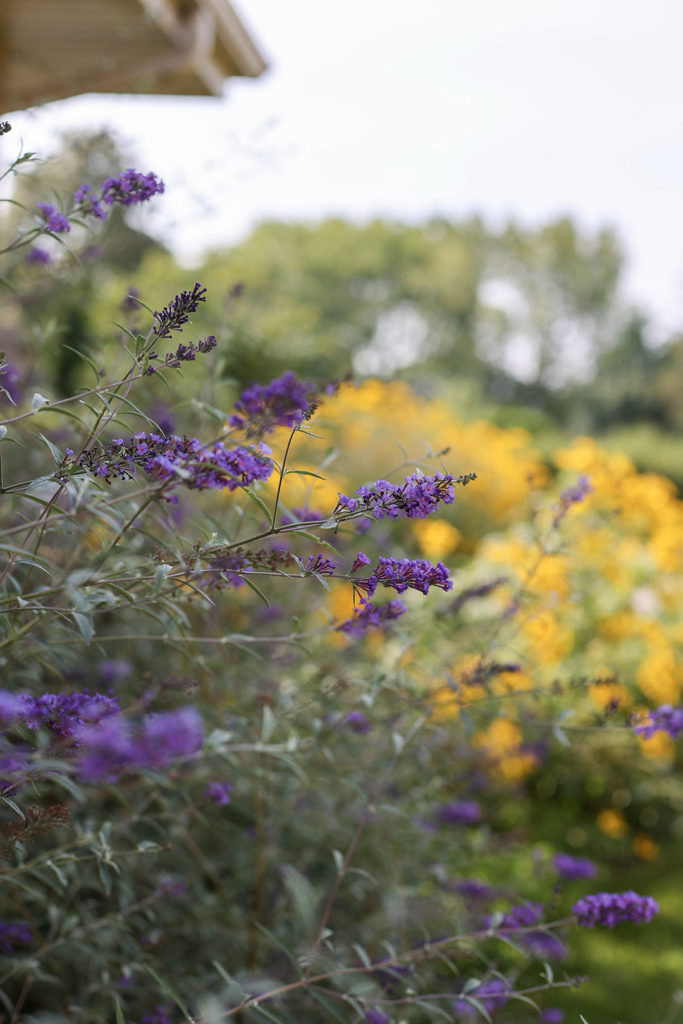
257 590
54 452
15 807
251 494
38 401
120 1019
268 724
327 1005
303 472
170 992
86 359
234 992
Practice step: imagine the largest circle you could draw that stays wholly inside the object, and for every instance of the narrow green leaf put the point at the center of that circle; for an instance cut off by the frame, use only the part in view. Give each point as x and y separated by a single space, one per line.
257 590
170 992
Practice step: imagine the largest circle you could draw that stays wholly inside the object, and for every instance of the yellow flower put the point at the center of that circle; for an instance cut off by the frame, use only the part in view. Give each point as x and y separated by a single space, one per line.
644 847
612 823
435 538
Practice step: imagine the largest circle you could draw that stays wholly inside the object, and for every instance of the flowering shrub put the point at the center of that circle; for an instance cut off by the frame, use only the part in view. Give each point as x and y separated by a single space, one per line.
229 792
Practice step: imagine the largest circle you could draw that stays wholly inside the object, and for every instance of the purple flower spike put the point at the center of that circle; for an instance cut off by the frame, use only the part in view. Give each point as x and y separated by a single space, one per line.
370 615
574 867
130 188
608 909
55 221
375 1017
418 496
460 812
219 792
665 718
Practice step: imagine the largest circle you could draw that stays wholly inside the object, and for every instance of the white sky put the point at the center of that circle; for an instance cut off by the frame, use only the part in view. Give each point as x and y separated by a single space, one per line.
406 108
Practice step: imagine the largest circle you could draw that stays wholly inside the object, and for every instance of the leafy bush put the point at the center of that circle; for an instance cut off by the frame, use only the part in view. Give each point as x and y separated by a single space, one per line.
253 767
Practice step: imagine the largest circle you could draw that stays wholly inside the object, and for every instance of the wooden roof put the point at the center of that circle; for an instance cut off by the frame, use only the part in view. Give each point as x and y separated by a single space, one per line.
51 49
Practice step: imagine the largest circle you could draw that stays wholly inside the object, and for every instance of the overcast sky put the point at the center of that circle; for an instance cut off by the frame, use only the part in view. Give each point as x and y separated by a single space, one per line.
408 108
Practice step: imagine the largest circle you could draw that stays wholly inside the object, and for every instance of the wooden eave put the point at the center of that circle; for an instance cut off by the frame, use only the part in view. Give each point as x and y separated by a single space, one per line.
51 49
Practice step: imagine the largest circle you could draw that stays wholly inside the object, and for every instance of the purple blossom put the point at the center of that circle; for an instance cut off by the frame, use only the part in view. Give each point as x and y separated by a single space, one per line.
418 496
158 1016
574 867
473 889
39 256
219 792
281 403
13 933
492 994
184 460
369 616
611 908
460 812
405 573
55 221
665 718
553 1015
375 1017
578 493
360 559
177 313
188 353
91 204
319 564
358 722
9 383
62 713
115 746
130 187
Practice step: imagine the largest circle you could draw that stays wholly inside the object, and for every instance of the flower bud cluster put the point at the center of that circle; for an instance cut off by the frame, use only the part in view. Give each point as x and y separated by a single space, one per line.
183 459
418 496
610 908
282 403
370 615
406 573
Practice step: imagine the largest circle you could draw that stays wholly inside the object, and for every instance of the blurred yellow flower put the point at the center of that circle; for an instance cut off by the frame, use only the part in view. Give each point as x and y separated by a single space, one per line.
612 823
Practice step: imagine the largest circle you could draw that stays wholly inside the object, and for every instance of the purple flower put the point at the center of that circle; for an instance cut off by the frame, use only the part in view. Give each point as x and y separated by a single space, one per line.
418 496
177 312
318 563
62 713
574 867
219 792
611 908
375 1017
39 256
90 202
9 383
131 187
184 460
492 994
55 221
370 615
281 403
553 1015
158 1016
665 718
13 933
358 722
578 493
473 889
460 812
405 573
114 746
5 127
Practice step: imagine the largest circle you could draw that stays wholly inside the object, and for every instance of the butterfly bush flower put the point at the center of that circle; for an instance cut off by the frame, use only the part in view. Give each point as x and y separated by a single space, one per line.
318 563
183 459
115 745
608 909
358 722
282 403
370 616
13 933
219 792
375 1017
665 718
85 197
131 187
553 1015
574 867
177 313
418 496
404 573
62 713
460 812
492 994
38 256
55 221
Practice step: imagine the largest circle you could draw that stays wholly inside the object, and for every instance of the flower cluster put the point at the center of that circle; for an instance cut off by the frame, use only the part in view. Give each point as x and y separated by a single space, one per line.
610 908
460 812
177 312
55 221
405 573
5 127
131 187
38 256
282 403
181 459
227 566
418 496
62 713
13 933
114 745
492 994
370 615
574 867
219 792
665 718
319 564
